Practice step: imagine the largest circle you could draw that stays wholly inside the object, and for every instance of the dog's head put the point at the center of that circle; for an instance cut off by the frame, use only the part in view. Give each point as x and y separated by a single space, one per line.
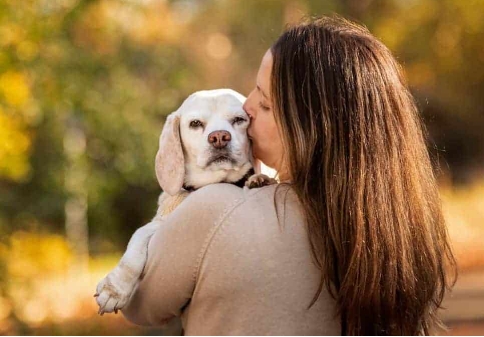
204 142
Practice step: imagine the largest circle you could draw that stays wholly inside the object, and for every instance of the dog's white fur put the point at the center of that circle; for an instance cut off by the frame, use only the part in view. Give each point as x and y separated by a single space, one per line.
185 158
216 109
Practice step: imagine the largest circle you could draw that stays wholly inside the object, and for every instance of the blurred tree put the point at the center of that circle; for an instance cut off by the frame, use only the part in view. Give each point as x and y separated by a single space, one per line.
88 60
440 46
119 67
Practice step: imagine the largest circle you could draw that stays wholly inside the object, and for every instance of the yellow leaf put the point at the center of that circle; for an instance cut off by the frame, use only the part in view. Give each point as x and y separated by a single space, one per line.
14 147
15 89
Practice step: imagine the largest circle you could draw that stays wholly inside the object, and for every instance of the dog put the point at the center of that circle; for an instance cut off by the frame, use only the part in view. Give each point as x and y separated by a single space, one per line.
203 142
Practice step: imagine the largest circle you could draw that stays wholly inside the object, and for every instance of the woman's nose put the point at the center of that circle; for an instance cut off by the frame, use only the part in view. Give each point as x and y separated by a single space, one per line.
247 107
244 107
248 112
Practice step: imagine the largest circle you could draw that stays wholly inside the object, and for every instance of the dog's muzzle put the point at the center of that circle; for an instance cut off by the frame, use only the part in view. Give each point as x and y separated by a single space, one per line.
219 158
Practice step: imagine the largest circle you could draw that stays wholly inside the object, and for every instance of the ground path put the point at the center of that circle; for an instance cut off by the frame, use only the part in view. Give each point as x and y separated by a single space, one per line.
465 305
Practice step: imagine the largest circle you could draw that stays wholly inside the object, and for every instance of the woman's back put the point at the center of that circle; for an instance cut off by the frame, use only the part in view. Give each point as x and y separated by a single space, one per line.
253 271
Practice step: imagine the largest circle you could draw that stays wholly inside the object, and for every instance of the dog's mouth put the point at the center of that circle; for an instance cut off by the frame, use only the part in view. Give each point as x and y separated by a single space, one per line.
220 159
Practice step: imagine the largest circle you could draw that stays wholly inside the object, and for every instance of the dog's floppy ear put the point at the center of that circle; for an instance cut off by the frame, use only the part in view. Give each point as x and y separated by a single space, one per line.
170 161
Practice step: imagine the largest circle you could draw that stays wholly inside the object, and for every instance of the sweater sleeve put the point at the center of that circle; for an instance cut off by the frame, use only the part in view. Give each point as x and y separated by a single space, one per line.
175 253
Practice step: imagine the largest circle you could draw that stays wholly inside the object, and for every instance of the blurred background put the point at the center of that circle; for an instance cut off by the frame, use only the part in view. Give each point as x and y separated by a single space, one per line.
85 86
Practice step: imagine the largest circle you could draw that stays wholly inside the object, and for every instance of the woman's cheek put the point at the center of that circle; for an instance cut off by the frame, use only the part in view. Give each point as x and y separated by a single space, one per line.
257 142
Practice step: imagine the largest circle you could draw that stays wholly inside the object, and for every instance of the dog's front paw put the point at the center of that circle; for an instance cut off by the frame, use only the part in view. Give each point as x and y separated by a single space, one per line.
259 180
112 295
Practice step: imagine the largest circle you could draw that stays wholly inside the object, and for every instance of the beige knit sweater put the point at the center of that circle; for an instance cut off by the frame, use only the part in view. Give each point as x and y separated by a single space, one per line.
225 264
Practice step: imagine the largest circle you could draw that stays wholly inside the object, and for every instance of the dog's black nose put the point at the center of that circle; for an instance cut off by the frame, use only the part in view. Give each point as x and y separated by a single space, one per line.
219 139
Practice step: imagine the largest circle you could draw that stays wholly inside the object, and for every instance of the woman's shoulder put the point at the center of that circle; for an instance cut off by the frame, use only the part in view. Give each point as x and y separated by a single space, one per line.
210 205
207 203
226 194
214 200
221 192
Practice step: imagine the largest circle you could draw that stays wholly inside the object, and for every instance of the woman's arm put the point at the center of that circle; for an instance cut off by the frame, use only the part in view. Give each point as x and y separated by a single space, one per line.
175 253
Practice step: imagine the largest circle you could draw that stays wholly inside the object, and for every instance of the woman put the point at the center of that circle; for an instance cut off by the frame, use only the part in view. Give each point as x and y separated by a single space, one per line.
351 241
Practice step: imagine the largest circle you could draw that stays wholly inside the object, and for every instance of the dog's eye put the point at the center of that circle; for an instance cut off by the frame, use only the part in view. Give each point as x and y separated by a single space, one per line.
195 124
238 120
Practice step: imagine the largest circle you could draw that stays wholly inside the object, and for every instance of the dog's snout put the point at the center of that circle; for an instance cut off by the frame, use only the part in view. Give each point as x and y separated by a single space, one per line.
219 139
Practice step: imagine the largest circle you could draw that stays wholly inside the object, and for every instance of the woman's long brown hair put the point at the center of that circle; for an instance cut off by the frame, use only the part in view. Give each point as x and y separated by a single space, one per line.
357 157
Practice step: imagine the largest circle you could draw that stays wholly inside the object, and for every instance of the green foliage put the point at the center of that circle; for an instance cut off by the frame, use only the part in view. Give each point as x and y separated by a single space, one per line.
117 68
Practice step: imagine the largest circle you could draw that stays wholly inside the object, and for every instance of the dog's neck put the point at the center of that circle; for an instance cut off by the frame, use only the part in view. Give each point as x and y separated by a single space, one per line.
198 177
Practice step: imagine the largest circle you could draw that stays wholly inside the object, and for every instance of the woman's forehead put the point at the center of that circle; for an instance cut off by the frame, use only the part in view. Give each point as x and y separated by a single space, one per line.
264 74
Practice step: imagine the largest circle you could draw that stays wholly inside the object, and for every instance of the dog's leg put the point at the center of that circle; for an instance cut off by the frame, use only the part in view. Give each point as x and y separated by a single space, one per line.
115 289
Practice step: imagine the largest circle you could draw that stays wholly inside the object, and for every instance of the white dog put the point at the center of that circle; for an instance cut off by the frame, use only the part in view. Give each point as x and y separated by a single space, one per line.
203 142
